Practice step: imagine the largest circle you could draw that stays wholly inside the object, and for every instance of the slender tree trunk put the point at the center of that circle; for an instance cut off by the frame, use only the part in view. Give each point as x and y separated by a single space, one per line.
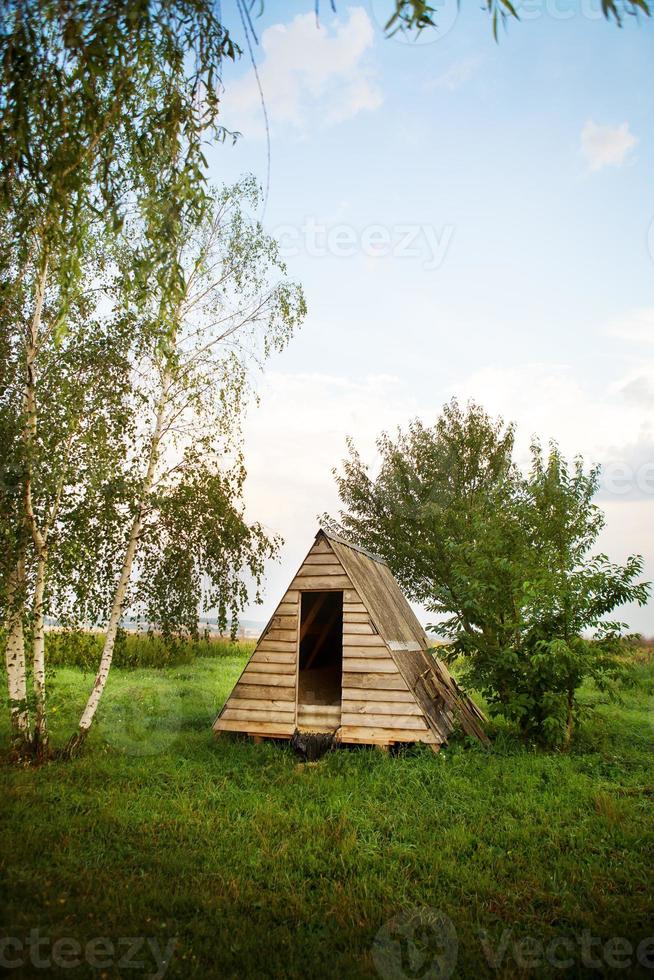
570 721
77 740
40 736
15 662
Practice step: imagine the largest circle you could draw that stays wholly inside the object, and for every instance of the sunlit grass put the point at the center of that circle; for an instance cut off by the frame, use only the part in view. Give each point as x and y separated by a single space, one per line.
262 866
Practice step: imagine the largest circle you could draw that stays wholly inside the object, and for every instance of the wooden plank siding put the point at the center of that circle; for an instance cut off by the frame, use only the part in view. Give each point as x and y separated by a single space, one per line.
260 667
259 714
270 729
285 635
355 639
381 707
264 692
352 618
284 622
368 665
264 701
358 680
320 558
334 568
384 684
377 706
357 628
321 583
274 657
356 735
251 677
277 646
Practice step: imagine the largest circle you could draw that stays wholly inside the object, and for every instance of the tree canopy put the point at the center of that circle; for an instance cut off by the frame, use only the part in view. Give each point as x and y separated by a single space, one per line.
502 557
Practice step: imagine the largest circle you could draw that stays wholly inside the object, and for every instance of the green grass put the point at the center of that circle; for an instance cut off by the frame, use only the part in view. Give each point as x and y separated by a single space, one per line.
83 649
260 866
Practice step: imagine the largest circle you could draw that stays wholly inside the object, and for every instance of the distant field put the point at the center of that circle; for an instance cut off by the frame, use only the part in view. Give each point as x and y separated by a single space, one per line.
255 865
137 649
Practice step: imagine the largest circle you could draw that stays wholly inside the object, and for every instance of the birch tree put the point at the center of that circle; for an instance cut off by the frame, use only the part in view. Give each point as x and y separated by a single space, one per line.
94 97
231 308
64 430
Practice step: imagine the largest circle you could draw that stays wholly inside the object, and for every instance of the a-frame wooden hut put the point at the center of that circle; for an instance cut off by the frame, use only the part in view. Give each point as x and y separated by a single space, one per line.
344 653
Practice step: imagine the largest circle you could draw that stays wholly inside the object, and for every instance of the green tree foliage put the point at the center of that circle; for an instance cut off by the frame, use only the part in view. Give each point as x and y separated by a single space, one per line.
58 463
199 553
140 395
504 559
95 98
186 543
236 307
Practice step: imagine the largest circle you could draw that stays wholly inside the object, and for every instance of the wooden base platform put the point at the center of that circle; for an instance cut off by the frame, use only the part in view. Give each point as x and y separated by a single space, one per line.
257 738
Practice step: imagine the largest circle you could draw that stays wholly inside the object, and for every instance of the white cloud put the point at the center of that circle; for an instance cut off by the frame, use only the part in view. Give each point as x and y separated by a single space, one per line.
639 390
308 71
636 388
606 146
297 436
457 74
549 401
637 325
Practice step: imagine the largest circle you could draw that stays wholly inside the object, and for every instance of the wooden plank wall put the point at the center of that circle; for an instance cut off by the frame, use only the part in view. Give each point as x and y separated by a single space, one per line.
321 570
263 701
377 706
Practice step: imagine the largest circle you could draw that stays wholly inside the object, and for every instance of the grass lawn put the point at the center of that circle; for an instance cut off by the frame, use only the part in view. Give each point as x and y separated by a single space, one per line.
256 865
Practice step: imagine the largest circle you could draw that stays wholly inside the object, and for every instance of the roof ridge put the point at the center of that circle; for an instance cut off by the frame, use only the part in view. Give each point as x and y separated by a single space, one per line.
349 544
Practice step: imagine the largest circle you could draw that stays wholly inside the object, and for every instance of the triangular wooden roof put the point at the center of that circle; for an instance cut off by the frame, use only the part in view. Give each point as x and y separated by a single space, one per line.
394 688
394 618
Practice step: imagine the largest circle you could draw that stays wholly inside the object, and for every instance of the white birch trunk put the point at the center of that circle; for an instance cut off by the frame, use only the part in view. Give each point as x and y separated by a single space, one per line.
123 582
15 663
40 737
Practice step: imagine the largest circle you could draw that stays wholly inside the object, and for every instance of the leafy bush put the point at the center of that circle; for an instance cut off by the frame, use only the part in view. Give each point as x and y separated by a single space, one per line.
503 557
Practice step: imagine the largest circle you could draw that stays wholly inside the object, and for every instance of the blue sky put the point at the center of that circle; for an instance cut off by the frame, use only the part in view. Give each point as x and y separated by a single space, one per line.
467 218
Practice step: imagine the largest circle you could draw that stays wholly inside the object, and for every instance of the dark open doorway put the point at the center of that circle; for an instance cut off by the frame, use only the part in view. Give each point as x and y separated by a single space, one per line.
321 648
